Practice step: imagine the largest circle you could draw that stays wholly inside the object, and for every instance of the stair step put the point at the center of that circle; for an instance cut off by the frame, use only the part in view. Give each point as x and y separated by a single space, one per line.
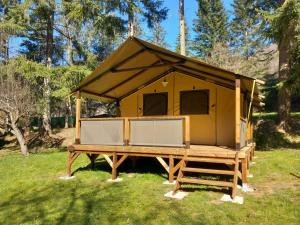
210 171
205 182
210 160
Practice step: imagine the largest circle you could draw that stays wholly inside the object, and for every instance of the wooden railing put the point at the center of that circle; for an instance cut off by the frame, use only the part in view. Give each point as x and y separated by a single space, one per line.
168 131
243 134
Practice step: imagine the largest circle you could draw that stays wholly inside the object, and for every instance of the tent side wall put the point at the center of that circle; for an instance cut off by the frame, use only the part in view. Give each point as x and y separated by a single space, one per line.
215 128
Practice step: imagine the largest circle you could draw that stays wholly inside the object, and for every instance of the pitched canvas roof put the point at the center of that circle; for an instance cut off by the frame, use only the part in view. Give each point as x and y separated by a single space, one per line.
137 63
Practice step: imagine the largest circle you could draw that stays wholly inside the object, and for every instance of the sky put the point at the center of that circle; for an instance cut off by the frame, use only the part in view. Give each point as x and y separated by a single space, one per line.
171 24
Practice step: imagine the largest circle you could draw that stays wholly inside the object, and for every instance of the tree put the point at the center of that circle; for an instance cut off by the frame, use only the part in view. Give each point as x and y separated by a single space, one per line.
41 46
182 27
16 101
228 58
245 28
152 11
65 79
283 27
7 27
159 35
210 26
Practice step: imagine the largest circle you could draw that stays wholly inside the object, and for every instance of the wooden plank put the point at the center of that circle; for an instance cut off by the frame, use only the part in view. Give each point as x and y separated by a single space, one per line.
163 163
214 152
205 182
235 177
72 156
162 117
180 175
176 167
114 166
121 160
251 100
171 167
126 131
237 113
107 158
244 171
78 115
209 171
187 132
210 160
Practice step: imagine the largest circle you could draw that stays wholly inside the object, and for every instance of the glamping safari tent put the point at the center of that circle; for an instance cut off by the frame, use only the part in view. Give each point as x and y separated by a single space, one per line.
172 107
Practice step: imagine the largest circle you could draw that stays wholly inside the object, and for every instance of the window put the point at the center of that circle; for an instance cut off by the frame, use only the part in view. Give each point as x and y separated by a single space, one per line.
155 104
194 102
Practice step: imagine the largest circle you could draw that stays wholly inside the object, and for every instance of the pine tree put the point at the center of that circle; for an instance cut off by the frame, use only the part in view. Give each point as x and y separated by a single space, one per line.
152 11
159 35
210 26
245 27
7 26
283 27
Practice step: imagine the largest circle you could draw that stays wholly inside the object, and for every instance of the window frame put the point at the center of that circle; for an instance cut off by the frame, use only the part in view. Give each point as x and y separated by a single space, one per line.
206 91
164 94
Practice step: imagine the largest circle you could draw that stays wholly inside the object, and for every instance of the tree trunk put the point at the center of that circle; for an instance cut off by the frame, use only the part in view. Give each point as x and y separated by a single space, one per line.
68 111
182 27
6 48
47 80
16 131
130 23
70 53
284 93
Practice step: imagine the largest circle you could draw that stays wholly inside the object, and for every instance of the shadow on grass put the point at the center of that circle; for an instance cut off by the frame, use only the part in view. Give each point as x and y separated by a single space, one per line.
142 165
77 203
267 136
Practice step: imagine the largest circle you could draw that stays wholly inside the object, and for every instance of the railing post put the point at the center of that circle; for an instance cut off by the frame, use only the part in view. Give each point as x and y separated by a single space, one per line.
78 115
187 132
237 113
126 131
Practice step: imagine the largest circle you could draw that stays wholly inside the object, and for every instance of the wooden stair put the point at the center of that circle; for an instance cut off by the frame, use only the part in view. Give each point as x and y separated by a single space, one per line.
182 178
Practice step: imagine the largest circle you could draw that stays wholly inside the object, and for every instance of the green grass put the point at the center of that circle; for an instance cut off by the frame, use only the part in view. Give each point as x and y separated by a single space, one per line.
31 193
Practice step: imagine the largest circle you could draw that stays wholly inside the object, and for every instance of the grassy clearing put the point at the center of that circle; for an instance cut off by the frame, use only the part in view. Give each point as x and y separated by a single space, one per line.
31 193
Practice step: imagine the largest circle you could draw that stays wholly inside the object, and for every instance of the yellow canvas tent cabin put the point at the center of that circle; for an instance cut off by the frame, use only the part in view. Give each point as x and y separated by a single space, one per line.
171 107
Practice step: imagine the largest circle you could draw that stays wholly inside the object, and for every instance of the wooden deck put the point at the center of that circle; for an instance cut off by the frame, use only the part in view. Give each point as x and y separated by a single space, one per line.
116 155
148 151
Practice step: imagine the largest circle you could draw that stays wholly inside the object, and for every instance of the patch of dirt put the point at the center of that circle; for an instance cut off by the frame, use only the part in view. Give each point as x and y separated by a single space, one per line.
273 186
68 136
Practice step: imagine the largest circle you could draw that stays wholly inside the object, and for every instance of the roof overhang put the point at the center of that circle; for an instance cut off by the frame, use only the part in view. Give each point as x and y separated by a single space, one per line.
137 63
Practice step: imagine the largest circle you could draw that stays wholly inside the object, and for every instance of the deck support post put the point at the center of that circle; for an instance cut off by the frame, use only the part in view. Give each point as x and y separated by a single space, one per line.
71 158
92 158
78 115
235 176
114 166
237 113
171 166
244 170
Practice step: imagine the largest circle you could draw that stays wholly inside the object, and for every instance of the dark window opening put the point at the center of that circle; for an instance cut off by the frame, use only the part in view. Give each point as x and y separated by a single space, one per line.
194 102
155 104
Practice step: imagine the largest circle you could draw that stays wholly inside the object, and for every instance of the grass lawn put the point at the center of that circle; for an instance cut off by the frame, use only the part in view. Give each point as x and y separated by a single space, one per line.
31 193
